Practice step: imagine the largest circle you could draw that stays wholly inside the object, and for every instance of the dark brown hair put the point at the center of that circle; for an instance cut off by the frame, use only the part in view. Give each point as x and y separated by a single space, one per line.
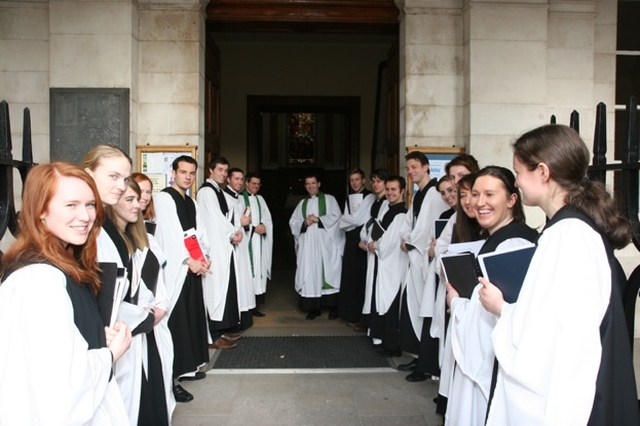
567 156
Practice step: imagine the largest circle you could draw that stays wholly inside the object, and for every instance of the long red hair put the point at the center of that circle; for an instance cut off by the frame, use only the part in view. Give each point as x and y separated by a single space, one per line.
36 244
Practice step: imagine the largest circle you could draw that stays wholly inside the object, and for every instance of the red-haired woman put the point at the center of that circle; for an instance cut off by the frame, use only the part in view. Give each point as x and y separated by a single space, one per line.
48 300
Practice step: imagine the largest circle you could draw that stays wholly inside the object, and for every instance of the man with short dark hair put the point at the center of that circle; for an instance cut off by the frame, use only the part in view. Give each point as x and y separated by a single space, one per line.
319 243
221 294
260 238
426 206
354 260
176 213
387 265
246 295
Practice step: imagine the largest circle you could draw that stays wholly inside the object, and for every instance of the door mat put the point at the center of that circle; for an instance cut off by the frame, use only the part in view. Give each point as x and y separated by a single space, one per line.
301 352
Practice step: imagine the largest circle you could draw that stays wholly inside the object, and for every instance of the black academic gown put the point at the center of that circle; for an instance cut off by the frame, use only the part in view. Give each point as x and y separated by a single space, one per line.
153 404
354 273
409 342
385 327
187 320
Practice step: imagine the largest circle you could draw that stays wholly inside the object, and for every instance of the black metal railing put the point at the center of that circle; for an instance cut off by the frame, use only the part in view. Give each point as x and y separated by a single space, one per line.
8 216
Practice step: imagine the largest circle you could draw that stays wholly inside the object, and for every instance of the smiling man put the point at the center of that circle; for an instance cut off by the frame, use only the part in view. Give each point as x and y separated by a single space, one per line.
357 209
177 213
426 206
260 238
221 290
319 242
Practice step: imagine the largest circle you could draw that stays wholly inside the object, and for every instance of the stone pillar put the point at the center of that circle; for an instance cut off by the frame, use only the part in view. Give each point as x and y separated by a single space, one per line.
431 74
571 63
171 73
505 74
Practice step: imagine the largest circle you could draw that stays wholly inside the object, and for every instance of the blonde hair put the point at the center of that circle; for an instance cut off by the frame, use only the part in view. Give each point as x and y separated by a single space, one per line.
92 158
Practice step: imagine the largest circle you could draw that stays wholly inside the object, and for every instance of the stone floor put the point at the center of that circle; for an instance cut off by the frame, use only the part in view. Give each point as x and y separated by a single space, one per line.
371 397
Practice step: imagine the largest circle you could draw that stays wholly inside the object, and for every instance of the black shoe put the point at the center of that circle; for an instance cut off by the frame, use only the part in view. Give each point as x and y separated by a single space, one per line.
410 366
389 353
417 376
313 315
199 376
333 315
181 394
257 313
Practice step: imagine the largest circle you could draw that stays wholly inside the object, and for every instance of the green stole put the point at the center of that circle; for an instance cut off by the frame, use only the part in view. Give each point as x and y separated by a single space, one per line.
322 211
245 195
322 205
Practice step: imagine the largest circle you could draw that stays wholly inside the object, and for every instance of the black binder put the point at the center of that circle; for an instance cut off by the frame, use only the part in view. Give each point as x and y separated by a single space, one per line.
462 272
108 278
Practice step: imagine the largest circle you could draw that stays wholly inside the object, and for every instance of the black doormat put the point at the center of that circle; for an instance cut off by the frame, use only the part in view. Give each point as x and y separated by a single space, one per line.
301 352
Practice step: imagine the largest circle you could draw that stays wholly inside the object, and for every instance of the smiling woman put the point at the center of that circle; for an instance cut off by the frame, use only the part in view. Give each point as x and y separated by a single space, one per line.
51 269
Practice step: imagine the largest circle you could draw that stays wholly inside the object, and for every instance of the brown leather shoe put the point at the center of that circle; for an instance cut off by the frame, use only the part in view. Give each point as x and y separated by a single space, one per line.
222 344
229 337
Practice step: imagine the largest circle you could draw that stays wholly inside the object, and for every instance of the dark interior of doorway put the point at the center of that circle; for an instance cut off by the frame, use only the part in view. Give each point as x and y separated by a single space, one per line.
282 179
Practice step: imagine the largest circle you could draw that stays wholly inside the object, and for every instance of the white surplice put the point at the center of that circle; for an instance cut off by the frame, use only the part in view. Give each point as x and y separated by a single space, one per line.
128 369
365 236
469 337
170 238
220 230
244 280
318 250
261 253
392 262
357 213
416 233
548 343
69 384
161 330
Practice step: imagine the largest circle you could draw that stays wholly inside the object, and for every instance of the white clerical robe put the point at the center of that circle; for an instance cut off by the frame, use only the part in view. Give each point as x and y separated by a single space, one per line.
244 280
128 369
435 280
356 213
318 250
220 230
69 384
260 246
469 336
548 343
170 238
365 236
392 262
161 330
416 233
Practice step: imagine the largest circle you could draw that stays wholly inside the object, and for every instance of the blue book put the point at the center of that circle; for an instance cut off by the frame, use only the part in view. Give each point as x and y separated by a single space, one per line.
507 269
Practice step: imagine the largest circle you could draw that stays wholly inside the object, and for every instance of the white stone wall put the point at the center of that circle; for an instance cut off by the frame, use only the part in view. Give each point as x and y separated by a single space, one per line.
154 48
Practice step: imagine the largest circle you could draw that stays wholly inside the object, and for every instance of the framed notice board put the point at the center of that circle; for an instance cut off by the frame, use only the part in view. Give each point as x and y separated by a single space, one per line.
438 159
156 162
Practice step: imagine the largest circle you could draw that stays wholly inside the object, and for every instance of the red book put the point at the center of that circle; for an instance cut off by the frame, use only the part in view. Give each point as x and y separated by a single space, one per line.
193 245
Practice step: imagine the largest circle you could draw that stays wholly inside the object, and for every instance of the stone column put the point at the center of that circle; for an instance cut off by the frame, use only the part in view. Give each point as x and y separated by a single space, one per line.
505 74
571 63
171 73
431 74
